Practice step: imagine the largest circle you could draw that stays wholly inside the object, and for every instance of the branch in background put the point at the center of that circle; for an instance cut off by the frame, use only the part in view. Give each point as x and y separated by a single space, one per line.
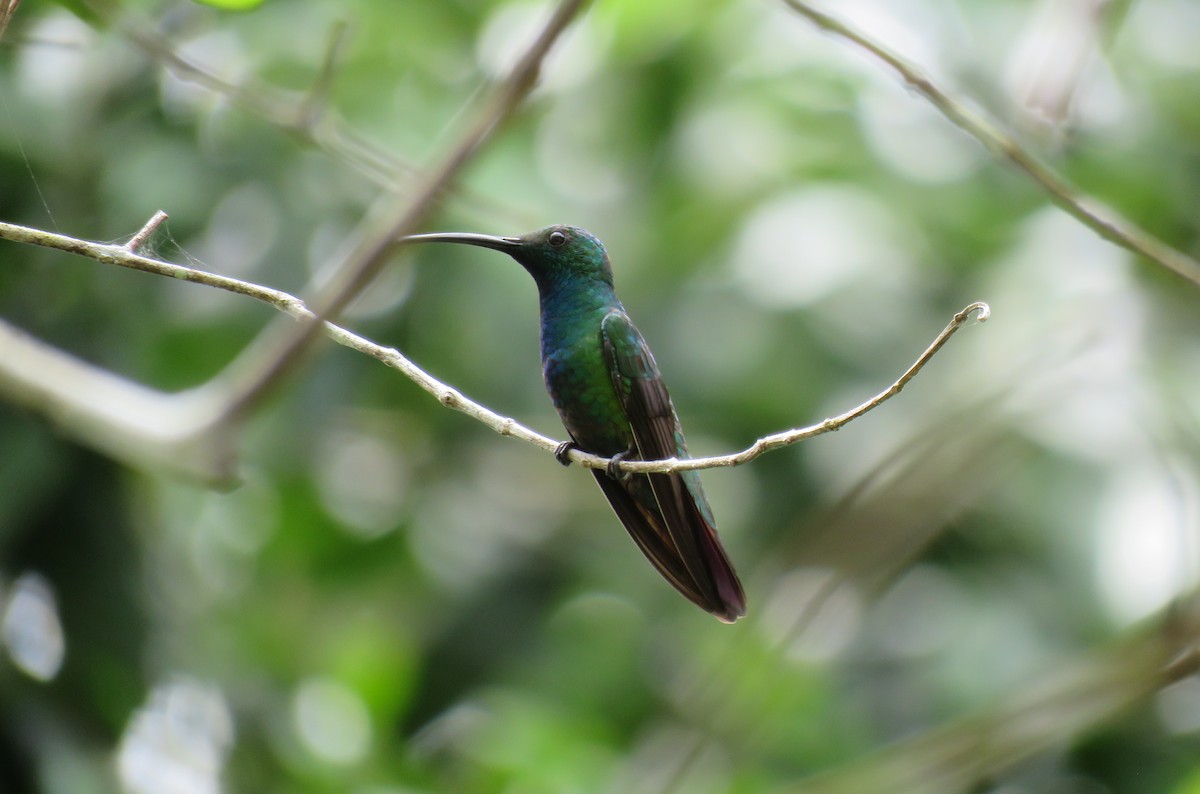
122 419
309 118
7 9
1071 700
270 358
851 552
315 105
274 106
78 402
1062 37
1107 223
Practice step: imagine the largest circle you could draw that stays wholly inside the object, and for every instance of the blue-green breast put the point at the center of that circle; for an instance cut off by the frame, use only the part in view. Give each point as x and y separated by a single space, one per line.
577 375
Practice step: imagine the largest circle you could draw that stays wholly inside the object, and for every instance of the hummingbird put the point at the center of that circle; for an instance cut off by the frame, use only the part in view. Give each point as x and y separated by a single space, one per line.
606 387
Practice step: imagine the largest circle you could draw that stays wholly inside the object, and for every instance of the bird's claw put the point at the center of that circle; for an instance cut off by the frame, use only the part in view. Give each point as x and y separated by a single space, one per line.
612 470
562 450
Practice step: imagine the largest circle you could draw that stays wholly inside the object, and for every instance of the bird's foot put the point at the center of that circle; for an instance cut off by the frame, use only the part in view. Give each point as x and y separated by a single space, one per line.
560 452
614 462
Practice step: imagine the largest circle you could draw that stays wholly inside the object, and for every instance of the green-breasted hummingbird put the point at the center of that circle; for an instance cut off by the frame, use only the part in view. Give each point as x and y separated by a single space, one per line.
607 388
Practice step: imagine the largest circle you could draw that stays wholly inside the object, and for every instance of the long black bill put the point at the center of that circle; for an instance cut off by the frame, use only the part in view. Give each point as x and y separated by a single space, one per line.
506 244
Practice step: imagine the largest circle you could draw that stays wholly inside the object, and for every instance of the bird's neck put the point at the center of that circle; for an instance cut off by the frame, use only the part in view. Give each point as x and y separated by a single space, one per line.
571 311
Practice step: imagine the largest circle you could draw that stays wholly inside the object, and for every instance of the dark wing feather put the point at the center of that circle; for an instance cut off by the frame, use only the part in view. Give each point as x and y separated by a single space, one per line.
645 527
682 509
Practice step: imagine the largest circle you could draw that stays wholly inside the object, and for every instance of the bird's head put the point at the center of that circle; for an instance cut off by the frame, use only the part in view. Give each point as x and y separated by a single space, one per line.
554 255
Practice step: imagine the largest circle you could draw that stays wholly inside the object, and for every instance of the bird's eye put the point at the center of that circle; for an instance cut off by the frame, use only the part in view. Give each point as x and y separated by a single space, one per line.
557 239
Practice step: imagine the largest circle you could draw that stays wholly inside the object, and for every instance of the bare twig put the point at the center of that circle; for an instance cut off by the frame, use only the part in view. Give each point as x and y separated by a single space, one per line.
1107 223
145 233
122 256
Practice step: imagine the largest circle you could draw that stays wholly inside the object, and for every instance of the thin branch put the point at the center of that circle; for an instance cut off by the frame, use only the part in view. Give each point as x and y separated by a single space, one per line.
1103 220
122 256
980 311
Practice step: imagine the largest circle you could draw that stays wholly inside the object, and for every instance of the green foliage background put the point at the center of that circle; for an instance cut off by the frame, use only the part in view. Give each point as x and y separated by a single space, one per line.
398 600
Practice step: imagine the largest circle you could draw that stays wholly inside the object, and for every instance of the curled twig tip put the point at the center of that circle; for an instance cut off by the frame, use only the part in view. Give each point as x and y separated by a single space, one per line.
980 309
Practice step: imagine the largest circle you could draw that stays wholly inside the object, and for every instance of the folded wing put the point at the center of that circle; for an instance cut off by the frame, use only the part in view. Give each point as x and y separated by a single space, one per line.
666 514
